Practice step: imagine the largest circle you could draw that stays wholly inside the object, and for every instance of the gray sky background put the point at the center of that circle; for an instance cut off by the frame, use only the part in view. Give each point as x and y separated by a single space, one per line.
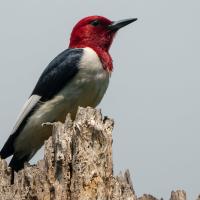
154 90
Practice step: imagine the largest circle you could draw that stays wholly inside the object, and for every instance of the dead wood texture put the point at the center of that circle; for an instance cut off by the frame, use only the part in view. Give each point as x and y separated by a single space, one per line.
77 165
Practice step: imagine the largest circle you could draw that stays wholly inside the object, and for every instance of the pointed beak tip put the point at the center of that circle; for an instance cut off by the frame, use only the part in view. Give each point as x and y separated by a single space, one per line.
135 19
131 20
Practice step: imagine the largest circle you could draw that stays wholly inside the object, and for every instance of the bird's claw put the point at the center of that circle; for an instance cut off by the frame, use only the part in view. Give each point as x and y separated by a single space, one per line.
47 124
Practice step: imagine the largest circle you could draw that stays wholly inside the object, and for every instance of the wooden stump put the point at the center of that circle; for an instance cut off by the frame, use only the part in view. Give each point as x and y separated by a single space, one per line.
77 165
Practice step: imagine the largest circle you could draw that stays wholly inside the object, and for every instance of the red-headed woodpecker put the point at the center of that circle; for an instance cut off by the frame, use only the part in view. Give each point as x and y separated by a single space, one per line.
79 76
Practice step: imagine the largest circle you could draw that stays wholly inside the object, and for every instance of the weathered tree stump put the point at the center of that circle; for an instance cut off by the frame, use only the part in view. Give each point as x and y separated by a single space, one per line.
77 165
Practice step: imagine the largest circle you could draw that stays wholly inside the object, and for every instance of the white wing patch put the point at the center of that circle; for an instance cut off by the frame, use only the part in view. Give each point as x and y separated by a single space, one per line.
30 103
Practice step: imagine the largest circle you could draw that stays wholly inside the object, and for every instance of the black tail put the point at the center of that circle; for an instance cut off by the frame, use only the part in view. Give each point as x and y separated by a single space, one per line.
17 164
8 149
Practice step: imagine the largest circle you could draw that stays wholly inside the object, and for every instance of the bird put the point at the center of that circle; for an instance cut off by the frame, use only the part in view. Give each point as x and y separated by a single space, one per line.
78 76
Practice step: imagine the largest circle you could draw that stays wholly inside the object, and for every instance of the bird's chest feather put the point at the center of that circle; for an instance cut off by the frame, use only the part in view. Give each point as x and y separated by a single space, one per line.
90 83
85 89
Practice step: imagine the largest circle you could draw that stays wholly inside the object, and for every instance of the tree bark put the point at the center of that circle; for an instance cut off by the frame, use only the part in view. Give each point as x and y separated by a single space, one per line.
77 165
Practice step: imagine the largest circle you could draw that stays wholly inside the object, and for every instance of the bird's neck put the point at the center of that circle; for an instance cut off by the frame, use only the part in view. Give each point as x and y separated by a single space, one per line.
103 54
105 58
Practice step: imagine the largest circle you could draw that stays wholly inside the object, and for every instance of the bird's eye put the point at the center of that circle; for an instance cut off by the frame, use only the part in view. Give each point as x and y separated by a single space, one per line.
95 23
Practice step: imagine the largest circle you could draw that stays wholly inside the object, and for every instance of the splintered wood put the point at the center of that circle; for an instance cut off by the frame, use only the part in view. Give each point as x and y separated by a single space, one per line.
77 165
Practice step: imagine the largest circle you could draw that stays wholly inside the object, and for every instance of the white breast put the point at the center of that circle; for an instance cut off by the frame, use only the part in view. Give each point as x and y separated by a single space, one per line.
90 84
85 89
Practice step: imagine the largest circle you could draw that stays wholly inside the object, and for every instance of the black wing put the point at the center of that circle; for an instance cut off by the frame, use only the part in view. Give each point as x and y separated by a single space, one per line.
57 74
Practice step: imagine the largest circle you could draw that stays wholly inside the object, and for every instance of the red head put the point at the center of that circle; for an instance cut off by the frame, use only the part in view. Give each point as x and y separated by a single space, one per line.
97 32
92 31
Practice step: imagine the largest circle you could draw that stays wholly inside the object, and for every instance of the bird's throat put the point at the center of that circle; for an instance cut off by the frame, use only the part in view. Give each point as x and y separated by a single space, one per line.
103 55
105 58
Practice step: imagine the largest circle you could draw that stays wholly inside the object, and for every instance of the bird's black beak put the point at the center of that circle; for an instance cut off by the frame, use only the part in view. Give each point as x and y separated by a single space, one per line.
115 26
